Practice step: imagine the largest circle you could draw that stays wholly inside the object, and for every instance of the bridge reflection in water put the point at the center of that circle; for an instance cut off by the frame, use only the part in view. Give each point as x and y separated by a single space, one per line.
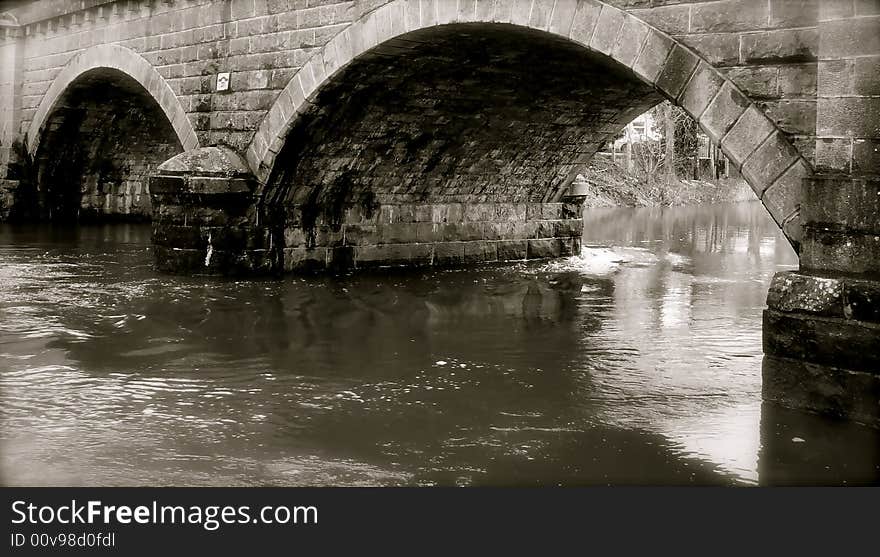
637 363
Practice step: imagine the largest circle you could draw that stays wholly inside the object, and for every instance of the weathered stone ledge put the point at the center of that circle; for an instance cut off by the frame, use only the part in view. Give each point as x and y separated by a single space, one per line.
845 343
838 297
829 390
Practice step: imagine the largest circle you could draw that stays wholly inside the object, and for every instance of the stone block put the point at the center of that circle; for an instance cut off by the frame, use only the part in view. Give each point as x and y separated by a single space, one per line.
484 9
447 212
828 248
803 13
796 117
669 19
305 259
768 162
792 292
551 211
724 110
179 236
798 80
178 261
340 258
447 10
570 246
448 253
509 212
653 56
747 133
849 38
851 345
382 255
783 197
605 35
584 22
755 81
428 13
727 16
852 117
478 212
823 389
545 229
839 297
540 14
511 250
833 154
719 49
865 156
480 251
676 71
850 202
568 228
544 248
866 75
786 46
562 18
491 230
701 89
360 234
529 229
629 41
397 233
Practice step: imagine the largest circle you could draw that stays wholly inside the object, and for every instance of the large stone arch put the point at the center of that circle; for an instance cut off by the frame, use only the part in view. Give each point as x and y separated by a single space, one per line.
127 61
768 161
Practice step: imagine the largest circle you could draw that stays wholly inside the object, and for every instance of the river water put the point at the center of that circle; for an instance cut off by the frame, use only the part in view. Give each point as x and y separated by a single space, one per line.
638 362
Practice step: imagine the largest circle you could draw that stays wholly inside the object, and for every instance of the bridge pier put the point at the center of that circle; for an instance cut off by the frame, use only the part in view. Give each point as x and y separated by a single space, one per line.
822 324
203 215
208 218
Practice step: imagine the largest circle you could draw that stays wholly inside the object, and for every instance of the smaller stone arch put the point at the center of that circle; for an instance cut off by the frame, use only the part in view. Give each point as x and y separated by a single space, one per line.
768 161
127 61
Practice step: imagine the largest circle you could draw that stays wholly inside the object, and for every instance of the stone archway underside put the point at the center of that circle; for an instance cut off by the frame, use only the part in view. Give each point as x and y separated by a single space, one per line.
447 145
103 138
466 114
768 161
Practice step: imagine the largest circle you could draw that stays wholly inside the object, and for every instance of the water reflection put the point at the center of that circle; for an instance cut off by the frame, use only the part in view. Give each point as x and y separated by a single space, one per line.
638 362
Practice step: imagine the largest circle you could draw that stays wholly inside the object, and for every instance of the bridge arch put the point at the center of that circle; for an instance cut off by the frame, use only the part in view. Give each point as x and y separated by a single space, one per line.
128 62
104 125
754 144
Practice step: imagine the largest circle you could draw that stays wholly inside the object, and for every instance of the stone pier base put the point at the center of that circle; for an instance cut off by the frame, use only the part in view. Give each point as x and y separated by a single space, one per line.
203 215
208 218
822 345
438 234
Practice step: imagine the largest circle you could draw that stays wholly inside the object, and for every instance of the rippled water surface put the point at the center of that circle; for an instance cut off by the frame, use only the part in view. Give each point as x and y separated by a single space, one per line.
637 362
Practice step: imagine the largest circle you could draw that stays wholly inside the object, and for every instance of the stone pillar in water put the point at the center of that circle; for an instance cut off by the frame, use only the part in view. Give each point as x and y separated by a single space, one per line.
204 215
822 325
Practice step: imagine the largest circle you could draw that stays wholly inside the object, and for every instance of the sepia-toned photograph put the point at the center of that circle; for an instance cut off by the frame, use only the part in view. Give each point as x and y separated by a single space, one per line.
438 243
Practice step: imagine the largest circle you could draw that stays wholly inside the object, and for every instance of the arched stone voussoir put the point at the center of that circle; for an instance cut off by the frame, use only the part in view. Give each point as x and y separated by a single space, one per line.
124 60
747 136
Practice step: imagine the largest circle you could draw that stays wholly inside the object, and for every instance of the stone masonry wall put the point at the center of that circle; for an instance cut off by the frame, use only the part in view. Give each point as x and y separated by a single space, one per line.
765 46
768 48
10 75
472 114
433 234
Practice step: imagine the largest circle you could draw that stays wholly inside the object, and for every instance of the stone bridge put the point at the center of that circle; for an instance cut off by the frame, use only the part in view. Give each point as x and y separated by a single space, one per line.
288 135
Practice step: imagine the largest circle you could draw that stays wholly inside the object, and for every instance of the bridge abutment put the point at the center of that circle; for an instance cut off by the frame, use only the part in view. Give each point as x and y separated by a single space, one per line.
822 325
